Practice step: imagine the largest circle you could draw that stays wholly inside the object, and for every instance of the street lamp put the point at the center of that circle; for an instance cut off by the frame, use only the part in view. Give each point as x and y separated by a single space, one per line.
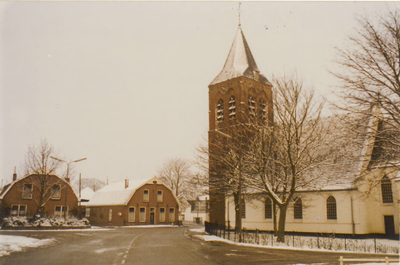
67 179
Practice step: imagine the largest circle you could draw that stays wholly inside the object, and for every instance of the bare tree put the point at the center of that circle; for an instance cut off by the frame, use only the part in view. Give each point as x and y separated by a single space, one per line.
369 72
176 173
38 162
285 153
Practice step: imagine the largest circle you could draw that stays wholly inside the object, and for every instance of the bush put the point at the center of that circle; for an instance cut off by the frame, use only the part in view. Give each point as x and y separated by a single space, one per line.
55 222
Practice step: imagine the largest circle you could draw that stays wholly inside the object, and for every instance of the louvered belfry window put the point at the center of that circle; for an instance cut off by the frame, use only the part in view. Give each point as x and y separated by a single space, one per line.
232 108
220 110
386 187
252 106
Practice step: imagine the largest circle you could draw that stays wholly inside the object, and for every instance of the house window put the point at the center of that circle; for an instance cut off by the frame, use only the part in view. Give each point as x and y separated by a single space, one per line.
386 187
131 215
60 210
252 106
298 209
110 215
232 108
18 210
172 215
220 111
331 208
27 191
146 195
87 212
243 209
263 109
162 214
268 208
56 191
142 214
159 196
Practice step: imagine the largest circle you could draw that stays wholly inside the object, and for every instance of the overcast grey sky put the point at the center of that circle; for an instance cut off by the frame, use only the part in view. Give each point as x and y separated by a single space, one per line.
125 84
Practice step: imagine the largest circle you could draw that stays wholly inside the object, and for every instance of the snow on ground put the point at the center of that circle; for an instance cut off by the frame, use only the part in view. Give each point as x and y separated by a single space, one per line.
10 244
197 230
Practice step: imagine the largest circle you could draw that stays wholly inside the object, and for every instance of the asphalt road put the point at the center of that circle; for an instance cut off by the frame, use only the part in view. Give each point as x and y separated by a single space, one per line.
162 245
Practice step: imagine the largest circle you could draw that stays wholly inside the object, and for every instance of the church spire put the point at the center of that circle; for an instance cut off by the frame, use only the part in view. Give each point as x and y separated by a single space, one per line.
240 62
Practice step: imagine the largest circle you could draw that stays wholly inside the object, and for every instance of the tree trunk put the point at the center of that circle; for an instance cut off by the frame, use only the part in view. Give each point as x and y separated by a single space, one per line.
274 217
282 221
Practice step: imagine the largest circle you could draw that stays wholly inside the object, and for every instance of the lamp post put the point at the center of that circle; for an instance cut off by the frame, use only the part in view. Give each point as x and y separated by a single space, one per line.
67 180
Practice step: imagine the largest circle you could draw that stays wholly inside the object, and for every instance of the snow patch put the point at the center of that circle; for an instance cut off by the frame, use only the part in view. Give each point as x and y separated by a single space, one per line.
10 244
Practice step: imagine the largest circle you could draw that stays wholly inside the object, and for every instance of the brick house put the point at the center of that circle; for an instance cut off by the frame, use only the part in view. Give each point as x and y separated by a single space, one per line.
23 197
133 202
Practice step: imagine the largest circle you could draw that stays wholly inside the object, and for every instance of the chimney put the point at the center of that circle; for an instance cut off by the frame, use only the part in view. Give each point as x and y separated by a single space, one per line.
126 183
15 174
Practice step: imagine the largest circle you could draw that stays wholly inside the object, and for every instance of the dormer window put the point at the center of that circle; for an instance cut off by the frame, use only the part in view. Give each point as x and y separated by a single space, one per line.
220 111
232 108
252 107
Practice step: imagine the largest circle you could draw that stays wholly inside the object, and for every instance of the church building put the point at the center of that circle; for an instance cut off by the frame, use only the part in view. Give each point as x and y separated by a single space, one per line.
367 203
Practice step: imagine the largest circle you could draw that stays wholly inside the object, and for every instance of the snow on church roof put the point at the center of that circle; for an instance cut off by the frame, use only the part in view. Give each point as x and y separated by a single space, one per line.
117 194
240 62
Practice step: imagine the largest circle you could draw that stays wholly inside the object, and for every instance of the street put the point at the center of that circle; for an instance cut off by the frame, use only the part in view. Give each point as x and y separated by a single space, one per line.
154 245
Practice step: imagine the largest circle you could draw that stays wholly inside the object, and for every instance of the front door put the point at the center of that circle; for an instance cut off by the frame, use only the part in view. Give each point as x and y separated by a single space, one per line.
389 226
152 216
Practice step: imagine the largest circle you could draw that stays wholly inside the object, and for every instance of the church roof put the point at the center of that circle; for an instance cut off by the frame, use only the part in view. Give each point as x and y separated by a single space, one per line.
240 62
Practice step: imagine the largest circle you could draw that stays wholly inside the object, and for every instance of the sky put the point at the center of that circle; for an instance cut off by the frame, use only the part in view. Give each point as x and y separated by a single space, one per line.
125 84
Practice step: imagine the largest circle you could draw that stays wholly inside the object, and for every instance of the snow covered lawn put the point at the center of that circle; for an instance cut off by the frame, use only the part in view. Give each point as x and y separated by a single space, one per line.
10 244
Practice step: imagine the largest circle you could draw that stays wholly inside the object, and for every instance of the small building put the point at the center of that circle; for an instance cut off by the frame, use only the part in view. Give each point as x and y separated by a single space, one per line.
47 195
198 211
133 202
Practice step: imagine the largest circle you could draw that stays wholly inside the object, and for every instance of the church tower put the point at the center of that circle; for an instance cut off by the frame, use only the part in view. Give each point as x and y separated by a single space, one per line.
238 94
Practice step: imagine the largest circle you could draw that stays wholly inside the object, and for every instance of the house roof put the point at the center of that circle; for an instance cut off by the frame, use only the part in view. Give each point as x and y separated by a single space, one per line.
10 185
240 62
117 194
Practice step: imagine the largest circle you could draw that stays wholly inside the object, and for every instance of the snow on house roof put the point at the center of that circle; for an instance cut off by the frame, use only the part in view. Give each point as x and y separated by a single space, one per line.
87 193
117 194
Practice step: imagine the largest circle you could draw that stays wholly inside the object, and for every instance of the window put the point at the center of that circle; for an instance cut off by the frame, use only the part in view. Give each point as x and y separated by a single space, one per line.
331 208
18 210
159 196
298 209
220 111
198 206
386 187
243 210
232 108
162 214
87 212
131 214
60 210
263 109
252 106
27 191
268 208
172 215
142 214
56 191
110 215
146 195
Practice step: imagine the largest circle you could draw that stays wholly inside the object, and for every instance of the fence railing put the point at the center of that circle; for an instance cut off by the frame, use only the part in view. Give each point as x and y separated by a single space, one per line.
331 242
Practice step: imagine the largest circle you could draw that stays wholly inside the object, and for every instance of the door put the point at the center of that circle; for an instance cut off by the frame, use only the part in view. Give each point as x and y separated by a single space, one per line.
389 226
152 216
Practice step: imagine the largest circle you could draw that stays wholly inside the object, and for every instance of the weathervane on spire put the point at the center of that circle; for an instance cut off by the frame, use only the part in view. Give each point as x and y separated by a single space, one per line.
239 13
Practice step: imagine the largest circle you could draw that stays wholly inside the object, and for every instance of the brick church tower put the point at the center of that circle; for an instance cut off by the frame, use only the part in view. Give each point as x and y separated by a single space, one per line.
237 95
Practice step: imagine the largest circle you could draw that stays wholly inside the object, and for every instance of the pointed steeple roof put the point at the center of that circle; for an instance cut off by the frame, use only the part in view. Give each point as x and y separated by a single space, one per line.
240 62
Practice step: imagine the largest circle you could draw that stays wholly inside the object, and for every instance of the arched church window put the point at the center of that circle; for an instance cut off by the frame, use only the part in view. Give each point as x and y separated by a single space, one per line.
331 208
386 187
263 109
268 208
298 209
220 110
232 107
252 106
243 209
